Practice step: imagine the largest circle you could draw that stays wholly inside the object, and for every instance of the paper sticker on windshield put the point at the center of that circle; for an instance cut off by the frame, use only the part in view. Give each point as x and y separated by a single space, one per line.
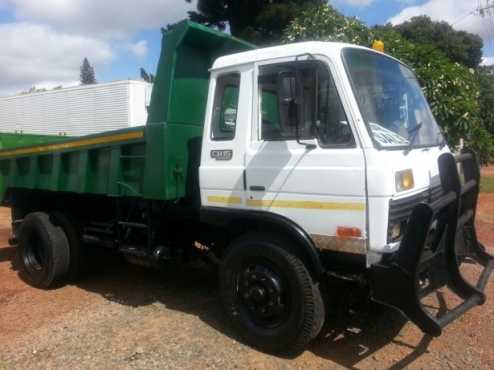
386 137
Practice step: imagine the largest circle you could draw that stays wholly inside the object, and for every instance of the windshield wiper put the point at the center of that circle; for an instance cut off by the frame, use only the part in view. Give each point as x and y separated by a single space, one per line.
414 132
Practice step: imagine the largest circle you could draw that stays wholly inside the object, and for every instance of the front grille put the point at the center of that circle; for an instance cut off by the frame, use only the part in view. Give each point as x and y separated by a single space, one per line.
401 209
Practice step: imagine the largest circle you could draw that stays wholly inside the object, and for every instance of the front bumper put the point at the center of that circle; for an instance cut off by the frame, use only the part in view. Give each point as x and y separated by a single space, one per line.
439 237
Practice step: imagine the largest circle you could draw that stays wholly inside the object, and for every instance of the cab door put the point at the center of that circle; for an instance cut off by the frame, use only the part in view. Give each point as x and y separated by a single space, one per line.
228 118
304 161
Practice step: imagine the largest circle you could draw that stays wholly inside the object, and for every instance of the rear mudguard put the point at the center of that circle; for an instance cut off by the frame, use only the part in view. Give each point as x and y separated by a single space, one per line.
439 236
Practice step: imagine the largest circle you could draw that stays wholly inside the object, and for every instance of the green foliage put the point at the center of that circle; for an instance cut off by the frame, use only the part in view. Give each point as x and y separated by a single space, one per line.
486 98
487 184
451 88
3 365
257 21
482 141
326 24
459 46
485 77
87 73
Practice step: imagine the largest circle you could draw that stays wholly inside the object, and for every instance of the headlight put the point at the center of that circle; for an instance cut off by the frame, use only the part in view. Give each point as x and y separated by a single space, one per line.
404 180
395 232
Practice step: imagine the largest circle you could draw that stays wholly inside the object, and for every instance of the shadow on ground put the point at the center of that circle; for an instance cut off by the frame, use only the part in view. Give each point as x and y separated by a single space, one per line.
351 334
7 254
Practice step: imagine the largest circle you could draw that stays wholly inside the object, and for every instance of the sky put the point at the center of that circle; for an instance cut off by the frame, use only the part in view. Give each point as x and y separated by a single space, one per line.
42 43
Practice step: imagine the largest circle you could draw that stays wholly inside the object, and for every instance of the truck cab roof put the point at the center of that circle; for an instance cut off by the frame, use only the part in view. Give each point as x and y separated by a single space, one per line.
332 49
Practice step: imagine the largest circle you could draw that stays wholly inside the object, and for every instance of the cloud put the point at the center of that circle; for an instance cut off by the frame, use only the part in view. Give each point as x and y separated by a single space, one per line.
115 19
455 12
49 39
34 54
49 85
139 49
355 2
487 61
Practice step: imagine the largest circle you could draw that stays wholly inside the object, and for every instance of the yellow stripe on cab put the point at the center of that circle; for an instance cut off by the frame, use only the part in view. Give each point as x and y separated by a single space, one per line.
307 204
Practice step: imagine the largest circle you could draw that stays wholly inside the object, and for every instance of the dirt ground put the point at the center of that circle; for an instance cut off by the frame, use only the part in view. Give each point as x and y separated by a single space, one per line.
488 171
126 317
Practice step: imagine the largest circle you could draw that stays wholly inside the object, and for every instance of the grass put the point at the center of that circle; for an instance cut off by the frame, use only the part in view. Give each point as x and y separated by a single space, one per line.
487 184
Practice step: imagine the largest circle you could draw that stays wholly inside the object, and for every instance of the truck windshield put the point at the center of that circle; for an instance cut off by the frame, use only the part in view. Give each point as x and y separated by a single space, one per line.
391 101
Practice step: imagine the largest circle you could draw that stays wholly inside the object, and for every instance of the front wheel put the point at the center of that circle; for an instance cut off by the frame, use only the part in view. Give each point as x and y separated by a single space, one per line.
269 295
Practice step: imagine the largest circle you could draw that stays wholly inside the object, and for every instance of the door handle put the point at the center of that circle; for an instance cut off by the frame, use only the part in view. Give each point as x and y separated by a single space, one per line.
257 188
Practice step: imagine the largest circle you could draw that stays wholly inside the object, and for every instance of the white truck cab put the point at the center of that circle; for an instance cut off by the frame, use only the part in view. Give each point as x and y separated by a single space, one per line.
366 138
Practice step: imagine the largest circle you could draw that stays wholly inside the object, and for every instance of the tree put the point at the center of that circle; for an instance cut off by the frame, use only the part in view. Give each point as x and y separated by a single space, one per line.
258 21
148 77
459 46
87 73
486 97
327 24
32 90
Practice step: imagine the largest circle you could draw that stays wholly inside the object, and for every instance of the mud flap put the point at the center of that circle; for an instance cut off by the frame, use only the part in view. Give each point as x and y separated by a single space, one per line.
439 236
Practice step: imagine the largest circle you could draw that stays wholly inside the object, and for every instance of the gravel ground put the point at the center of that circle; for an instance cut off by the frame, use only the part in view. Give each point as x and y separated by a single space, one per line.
125 317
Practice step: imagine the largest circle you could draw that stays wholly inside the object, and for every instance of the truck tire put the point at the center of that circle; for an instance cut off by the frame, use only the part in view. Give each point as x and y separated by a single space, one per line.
269 295
43 251
73 232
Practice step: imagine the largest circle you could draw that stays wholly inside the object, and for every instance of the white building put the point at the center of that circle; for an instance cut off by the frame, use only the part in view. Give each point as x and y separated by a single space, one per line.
77 111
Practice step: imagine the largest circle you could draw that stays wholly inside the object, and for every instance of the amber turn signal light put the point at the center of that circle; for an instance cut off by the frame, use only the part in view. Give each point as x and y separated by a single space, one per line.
348 232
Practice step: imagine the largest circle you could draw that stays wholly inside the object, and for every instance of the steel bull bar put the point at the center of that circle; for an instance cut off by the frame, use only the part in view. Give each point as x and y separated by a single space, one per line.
439 237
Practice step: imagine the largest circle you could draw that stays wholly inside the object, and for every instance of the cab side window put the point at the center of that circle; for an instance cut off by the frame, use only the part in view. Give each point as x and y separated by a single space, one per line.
300 99
225 107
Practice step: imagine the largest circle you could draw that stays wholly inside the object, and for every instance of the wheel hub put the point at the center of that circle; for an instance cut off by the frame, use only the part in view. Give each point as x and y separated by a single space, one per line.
261 292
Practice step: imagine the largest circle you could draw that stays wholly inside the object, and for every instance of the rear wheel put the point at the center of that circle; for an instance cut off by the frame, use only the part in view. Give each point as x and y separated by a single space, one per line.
43 251
270 296
72 231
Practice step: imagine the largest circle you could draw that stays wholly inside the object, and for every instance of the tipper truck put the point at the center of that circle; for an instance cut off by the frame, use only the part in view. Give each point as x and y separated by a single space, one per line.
287 166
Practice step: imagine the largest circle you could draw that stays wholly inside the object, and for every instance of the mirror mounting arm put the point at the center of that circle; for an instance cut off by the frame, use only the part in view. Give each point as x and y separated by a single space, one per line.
308 146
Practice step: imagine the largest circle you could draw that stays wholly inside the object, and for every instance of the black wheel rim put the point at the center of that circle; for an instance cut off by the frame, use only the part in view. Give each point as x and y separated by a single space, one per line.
262 294
34 254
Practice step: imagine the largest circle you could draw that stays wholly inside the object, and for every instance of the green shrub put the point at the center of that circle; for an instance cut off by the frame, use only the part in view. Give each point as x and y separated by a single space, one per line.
487 184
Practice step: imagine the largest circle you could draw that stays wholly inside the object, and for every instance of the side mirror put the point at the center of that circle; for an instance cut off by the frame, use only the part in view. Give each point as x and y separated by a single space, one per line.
290 96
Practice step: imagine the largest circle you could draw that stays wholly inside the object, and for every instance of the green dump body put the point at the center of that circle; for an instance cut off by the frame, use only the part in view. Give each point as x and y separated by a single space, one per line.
156 161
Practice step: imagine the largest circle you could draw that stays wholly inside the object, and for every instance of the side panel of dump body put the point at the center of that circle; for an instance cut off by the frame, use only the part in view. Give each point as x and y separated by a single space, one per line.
158 161
10 140
109 164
